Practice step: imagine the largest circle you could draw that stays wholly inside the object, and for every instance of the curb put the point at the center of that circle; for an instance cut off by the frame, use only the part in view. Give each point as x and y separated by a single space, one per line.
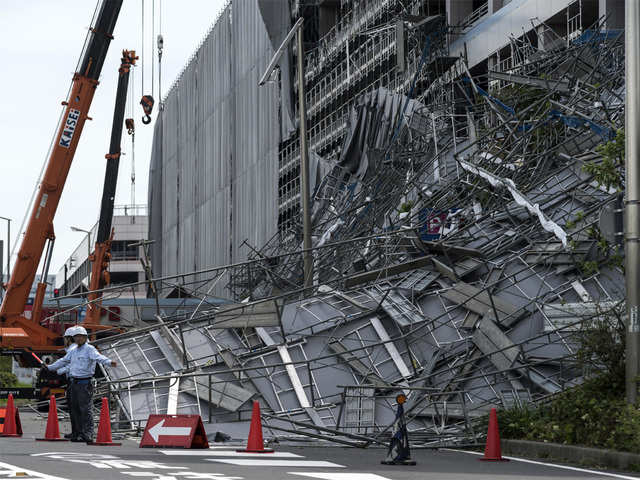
572 453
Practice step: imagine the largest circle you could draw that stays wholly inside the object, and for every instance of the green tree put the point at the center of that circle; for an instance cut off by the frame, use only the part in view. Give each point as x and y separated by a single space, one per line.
609 171
8 379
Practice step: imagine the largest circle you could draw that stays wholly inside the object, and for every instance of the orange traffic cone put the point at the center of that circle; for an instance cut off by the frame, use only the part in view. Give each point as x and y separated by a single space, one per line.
104 427
492 450
255 444
12 426
52 434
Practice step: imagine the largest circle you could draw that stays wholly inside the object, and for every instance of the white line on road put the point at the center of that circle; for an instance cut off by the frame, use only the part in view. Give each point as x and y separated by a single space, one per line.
182 475
565 467
12 470
340 476
227 446
276 463
227 453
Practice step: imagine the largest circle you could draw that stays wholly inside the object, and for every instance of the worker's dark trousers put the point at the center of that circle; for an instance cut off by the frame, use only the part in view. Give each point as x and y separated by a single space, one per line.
82 408
72 416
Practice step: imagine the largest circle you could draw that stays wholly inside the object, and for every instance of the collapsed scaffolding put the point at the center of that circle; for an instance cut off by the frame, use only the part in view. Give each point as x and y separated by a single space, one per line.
460 247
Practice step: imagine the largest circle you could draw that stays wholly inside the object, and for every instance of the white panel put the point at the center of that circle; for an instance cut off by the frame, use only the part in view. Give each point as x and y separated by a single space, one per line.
291 369
391 348
493 32
174 389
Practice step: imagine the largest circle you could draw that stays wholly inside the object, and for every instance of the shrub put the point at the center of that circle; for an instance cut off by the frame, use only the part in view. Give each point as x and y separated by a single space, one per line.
8 379
593 414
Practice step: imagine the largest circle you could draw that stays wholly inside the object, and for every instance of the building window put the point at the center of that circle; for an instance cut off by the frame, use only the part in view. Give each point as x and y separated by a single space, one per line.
120 250
123 278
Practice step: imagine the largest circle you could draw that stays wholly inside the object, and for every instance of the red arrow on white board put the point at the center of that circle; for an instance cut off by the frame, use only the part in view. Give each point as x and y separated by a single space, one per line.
159 429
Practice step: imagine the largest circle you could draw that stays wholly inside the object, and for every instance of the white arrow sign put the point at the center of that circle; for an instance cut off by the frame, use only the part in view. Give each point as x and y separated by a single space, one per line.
159 429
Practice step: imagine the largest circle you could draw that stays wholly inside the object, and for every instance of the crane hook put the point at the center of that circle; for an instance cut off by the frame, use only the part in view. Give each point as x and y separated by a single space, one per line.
130 126
147 103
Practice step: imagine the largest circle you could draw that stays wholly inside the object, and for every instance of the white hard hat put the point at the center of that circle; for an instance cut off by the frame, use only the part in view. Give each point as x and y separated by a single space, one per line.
70 332
80 331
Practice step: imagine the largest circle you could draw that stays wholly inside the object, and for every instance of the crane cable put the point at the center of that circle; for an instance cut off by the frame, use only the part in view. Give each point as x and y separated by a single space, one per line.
160 49
142 47
153 52
131 131
147 101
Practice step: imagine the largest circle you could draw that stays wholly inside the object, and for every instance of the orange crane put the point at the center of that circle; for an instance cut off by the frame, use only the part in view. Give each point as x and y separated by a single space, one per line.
101 255
17 332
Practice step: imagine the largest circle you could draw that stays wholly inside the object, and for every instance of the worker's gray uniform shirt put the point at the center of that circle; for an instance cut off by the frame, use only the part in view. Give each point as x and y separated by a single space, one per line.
81 361
65 370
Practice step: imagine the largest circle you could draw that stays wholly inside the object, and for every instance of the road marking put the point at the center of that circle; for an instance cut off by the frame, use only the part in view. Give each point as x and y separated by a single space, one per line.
340 476
227 453
226 446
107 461
564 467
275 463
65 455
183 476
7 469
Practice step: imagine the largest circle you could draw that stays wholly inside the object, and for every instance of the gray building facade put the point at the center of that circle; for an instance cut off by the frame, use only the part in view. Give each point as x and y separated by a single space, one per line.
225 166
214 165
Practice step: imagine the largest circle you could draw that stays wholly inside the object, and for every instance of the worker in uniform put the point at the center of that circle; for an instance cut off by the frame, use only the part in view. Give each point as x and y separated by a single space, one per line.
69 345
82 366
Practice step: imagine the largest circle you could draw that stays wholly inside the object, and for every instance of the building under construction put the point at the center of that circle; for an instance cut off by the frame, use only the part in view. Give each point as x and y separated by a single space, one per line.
465 221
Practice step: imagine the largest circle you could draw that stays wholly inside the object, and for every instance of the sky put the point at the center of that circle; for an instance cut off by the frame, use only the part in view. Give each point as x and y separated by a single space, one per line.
40 44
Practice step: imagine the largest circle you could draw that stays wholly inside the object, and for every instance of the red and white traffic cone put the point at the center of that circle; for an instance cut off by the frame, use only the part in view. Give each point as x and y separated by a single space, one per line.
255 443
492 451
52 433
104 427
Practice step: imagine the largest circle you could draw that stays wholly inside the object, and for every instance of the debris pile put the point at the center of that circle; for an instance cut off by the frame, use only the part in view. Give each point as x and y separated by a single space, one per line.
467 230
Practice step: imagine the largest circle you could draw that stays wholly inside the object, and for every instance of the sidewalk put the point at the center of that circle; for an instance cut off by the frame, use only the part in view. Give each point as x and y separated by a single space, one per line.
571 453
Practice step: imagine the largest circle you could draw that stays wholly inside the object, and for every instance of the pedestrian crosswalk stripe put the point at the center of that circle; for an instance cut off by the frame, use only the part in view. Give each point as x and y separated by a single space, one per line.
340 476
228 453
275 463
226 446
14 472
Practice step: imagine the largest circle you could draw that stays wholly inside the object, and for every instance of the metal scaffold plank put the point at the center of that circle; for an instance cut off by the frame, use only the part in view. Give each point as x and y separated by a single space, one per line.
481 302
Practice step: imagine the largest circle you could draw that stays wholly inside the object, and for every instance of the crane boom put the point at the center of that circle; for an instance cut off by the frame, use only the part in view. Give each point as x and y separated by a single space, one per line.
101 255
17 331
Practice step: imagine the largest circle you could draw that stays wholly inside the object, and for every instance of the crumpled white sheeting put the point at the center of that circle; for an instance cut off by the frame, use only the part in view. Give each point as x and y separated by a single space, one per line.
495 181
326 236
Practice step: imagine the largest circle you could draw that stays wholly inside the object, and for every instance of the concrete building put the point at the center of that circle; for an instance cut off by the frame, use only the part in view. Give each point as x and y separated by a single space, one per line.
130 225
225 169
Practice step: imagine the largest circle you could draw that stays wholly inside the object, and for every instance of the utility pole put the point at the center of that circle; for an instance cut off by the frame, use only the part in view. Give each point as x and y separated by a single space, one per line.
304 145
632 201
8 220
88 232
304 170
146 266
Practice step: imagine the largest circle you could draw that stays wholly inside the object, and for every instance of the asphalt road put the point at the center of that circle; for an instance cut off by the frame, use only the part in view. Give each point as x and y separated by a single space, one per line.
65 460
